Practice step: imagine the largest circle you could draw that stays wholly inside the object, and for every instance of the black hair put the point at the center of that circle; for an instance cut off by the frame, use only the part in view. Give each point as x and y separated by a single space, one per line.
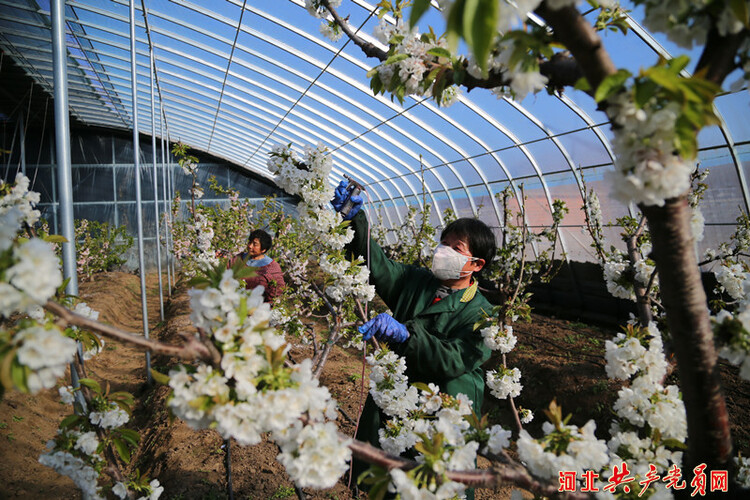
478 235
263 237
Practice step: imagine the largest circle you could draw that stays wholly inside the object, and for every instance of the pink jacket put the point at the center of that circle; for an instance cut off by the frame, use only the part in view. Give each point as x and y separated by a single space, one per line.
270 276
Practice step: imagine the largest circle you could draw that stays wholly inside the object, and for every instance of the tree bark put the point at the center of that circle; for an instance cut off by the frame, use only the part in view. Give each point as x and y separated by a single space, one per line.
684 300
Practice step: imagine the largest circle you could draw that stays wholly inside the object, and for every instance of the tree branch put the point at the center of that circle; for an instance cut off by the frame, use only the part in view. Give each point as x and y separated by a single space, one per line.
561 71
718 57
193 349
579 37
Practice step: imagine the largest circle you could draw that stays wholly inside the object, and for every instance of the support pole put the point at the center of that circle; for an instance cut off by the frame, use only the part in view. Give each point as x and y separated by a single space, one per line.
170 192
64 174
62 145
22 137
156 186
167 208
136 166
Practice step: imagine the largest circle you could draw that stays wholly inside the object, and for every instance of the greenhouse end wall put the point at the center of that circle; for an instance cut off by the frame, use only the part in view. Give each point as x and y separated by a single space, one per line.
104 176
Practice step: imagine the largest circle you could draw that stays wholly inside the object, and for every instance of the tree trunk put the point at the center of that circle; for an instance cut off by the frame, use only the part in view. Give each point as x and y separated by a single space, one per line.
684 299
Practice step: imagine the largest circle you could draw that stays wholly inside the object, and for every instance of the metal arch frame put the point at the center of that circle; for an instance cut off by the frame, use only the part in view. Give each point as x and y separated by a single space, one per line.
44 82
178 38
348 81
120 34
336 74
356 62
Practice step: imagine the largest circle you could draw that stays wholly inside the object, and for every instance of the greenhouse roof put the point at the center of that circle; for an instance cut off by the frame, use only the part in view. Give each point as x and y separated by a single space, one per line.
234 78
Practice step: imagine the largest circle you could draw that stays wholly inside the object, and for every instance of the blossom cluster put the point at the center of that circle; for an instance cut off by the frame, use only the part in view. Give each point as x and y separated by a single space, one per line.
731 278
563 448
427 415
499 338
650 414
734 332
416 60
204 236
688 23
46 352
82 440
16 207
30 274
351 279
308 178
648 169
252 392
523 79
504 382
389 385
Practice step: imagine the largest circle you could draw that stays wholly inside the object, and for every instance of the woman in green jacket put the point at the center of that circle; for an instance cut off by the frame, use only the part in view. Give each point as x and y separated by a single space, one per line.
434 311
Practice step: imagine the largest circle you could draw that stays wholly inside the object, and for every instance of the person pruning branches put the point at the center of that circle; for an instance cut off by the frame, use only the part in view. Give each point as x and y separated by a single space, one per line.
434 311
267 271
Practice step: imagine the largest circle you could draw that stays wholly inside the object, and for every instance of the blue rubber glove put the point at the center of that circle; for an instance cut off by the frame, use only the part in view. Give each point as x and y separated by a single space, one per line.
384 327
340 197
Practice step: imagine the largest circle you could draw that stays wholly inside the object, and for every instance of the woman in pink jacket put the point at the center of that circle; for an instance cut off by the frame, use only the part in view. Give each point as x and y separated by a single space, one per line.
267 271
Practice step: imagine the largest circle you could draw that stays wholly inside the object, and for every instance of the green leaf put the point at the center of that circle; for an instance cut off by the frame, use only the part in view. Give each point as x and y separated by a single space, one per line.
611 85
644 91
5 368
664 78
19 374
454 23
396 58
199 282
372 72
678 63
421 386
91 384
130 436
582 84
673 443
55 238
122 449
480 28
70 421
439 52
159 377
417 11
431 76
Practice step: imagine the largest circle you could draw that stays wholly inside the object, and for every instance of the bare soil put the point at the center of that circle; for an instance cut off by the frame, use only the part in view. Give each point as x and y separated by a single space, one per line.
559 360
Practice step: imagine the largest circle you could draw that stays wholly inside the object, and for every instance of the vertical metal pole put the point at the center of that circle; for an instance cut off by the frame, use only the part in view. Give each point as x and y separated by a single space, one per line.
156 185
170 191
136 166
114 182
64 175
167 207
62 143
23 142
53 176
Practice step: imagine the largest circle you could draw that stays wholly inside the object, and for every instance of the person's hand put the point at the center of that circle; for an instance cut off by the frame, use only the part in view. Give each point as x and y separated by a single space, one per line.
384 327
340 197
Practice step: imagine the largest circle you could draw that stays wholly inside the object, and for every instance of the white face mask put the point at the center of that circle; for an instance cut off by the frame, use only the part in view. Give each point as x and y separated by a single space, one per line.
448 264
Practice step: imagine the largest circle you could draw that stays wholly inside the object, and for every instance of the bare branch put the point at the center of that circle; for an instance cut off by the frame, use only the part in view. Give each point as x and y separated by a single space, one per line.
579 37
193 349
641 293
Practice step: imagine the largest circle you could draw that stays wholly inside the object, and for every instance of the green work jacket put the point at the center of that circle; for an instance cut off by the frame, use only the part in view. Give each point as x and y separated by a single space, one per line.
443 347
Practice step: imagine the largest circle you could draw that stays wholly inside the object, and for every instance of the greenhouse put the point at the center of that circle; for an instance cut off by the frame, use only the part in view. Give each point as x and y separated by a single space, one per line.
349 249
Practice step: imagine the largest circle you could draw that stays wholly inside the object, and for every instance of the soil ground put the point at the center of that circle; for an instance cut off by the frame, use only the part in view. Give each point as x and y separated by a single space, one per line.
558 359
